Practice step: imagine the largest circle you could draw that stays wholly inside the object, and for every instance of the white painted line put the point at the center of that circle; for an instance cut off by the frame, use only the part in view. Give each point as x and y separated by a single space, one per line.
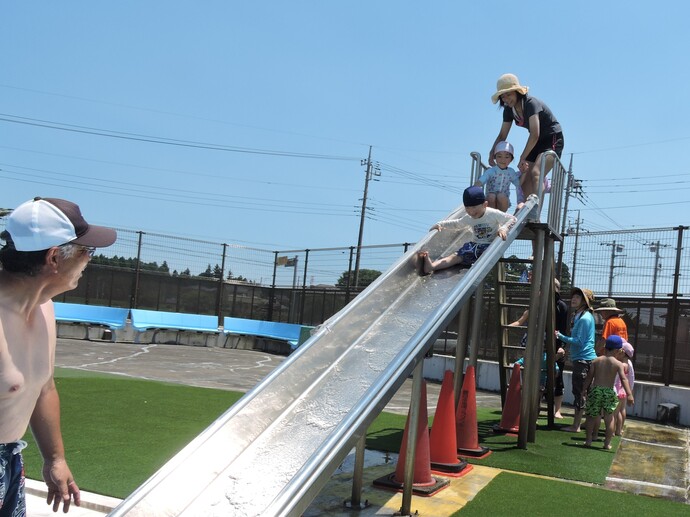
679 447
645 483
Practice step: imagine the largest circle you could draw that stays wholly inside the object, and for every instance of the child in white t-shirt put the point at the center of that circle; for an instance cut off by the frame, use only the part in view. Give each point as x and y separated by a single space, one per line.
486 223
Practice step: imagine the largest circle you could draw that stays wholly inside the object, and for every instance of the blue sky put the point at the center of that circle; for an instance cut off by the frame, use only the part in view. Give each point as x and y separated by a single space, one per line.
295 93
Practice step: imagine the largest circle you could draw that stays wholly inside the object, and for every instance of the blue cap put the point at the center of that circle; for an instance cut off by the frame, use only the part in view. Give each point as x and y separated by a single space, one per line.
614 342
473 196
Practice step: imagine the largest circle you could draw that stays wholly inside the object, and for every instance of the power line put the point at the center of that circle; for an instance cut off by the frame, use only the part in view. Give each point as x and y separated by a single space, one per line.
632 146
155 194
195 174
108 133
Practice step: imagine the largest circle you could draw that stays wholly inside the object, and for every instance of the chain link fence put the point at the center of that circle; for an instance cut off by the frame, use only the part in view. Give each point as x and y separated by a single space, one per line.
645 270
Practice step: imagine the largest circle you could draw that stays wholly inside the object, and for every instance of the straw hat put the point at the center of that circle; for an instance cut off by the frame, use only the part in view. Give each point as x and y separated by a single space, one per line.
508 83
608 304
587 295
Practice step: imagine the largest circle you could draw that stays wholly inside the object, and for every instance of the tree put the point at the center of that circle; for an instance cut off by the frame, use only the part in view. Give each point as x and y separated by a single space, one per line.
208 273
566 281
366 276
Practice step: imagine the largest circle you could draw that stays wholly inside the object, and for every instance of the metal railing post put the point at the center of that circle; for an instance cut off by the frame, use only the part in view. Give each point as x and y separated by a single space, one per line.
411 445
221 280
272 291
670 344
134 300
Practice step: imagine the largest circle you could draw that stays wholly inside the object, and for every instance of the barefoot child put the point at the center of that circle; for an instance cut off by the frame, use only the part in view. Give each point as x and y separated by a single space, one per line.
499 177
601 396
486 223
624 355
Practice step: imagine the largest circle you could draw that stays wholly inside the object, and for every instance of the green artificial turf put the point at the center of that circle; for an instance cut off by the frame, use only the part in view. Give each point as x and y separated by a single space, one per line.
516 495
554 453
119 430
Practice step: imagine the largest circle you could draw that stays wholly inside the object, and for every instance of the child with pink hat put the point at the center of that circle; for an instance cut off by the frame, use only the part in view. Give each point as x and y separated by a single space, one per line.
624 355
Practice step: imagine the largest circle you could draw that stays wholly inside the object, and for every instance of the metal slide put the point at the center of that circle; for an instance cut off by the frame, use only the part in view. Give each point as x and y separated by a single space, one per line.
273 451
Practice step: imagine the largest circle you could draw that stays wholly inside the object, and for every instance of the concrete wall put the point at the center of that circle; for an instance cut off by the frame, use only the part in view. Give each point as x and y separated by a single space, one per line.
648 395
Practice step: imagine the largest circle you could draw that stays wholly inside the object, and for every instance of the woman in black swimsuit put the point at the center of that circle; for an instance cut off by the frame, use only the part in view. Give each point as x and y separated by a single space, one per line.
531 113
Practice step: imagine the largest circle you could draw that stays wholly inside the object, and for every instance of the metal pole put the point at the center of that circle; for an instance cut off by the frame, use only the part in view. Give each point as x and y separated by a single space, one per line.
650 329
670 345
358 473
348 284
272 292
476 324
293 293
367 177
461 348
304 286
568 185
219 305
613 256
577 235
135 295
411 444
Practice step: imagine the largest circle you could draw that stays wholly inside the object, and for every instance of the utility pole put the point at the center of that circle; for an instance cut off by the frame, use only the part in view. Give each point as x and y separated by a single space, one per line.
577 234
370 173
615 248
654 247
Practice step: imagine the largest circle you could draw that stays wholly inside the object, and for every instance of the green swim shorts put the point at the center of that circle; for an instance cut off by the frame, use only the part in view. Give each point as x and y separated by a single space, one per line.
601 398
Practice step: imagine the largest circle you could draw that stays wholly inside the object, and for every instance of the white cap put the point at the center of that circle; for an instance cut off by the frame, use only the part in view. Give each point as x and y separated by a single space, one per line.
41 224
504 146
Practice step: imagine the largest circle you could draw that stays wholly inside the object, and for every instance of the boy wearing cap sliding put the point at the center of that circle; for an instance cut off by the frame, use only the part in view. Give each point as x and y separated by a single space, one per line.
499 177
486 223
48 246
602 396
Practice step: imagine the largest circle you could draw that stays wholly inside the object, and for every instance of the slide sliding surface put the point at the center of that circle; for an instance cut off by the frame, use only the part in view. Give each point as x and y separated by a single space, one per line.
274 450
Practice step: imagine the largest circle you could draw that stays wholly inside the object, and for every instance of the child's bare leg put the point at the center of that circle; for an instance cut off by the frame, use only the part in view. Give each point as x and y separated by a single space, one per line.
589 429
608 421
502 202
442 263
557 404
597 426
491 198
618 417
530 184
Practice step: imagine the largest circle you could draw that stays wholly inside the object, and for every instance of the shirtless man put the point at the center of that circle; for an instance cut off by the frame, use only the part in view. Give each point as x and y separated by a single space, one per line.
602 396
48 245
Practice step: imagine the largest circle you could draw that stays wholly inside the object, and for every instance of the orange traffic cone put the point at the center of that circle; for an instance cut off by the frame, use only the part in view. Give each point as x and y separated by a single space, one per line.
510 418
423 482
443 439
466 419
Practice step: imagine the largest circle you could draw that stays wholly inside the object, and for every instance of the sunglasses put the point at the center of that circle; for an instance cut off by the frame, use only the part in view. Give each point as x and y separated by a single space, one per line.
86 250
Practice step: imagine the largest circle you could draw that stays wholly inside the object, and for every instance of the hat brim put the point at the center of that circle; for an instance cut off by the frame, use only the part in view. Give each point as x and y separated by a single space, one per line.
518 88
584 297
96 237
612 309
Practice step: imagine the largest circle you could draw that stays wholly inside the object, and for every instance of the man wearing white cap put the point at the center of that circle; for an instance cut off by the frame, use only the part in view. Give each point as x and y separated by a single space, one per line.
48 246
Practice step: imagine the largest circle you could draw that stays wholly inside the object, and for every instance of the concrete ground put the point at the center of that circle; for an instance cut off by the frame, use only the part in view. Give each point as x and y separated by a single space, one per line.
651 460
